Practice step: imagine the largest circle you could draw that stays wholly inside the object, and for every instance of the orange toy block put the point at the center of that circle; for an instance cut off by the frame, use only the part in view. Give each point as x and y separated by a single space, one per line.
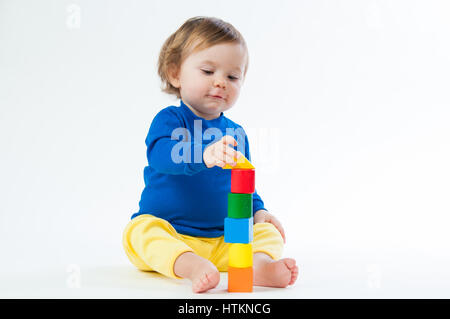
240 279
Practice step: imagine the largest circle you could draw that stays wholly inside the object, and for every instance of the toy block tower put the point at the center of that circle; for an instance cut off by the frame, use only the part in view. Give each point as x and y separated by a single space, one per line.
239 226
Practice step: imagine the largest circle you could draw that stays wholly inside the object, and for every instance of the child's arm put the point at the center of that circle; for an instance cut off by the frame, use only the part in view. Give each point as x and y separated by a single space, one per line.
172 150
163 149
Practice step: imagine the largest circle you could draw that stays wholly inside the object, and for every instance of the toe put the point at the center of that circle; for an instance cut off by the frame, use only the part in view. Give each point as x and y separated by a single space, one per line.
214 279
290 263
195 288
294 276
206 282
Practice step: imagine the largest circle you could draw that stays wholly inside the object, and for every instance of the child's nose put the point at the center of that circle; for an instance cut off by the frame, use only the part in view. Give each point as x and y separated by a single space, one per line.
219 82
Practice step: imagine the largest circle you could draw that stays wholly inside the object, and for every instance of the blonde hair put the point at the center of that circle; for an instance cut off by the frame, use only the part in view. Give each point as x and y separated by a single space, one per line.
205 32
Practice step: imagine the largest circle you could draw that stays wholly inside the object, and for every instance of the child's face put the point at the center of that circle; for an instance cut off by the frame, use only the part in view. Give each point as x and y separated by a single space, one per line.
210 80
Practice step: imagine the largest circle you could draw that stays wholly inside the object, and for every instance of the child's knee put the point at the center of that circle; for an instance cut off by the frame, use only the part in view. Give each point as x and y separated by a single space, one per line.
265 230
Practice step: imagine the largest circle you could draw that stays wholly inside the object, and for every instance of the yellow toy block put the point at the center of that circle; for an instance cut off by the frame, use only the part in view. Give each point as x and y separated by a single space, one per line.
242 163
240 255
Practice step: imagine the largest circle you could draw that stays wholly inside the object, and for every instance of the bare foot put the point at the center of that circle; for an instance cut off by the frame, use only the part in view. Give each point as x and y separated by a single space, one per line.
271 273
205 281
203 274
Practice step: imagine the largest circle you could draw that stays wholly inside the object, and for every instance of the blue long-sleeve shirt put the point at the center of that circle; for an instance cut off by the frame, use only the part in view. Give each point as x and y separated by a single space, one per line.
178 186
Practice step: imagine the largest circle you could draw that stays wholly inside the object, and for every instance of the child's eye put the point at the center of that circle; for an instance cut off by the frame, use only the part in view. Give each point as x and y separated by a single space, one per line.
208 72
233 78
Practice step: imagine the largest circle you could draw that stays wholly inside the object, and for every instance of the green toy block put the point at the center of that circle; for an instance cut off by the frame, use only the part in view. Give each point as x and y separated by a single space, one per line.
240 205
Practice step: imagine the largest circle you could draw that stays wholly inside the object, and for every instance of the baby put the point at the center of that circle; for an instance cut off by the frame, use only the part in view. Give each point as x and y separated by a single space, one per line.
178 230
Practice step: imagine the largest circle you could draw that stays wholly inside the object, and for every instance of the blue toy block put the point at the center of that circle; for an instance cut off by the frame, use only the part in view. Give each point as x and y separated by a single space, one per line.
239 230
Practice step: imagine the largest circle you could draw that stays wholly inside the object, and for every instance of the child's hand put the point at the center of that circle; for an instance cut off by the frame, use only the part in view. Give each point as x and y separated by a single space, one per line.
220 154
263 216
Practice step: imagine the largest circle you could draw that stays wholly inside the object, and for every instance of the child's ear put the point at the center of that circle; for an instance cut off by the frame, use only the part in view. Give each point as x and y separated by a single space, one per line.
174 76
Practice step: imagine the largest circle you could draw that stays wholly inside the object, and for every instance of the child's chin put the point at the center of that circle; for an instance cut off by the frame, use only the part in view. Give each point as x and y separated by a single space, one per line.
215 106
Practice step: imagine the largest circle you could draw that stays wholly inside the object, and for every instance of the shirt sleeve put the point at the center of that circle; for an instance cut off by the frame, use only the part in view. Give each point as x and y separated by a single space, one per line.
168 153
258 203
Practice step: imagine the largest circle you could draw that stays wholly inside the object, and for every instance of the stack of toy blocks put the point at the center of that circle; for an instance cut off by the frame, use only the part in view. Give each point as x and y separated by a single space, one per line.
239 227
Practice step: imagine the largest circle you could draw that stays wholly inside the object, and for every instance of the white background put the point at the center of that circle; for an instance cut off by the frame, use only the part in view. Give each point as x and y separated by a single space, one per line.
346 104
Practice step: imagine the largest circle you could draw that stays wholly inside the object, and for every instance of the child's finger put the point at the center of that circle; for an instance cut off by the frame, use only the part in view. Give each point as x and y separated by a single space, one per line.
229 160
219 163
232 152
228 139
223 155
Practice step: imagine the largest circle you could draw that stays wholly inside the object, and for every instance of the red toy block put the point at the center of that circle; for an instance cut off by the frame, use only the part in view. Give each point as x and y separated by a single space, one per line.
243 181
240 279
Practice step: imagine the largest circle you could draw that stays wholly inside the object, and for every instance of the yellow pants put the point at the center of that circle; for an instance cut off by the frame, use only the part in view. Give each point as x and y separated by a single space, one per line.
152 244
